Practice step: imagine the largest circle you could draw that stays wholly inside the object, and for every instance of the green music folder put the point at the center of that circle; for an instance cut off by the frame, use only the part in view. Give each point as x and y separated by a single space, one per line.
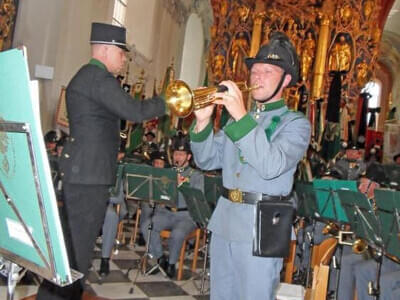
30 230
328 202
307 202
147 183
361 216
388 210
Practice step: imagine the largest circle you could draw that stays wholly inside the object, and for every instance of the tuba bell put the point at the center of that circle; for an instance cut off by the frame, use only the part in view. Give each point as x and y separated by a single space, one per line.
182 101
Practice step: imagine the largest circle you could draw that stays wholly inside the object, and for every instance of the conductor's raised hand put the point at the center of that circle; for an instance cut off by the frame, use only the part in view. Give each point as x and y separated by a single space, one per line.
232 99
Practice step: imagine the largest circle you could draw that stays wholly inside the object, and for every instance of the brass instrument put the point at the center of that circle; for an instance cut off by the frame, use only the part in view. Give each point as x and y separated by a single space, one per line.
359 246
331 228
181 100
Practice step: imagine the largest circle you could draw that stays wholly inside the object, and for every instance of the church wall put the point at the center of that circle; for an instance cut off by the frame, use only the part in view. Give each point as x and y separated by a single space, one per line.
56 34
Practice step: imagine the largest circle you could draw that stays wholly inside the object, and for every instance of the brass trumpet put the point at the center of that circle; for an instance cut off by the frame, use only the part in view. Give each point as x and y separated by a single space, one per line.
181 100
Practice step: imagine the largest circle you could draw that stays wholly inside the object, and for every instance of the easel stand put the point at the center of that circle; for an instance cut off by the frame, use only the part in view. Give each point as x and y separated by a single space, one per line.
14 273
14 266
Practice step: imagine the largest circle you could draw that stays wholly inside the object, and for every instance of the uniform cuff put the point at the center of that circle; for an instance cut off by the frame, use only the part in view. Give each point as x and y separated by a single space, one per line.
236 130
202 135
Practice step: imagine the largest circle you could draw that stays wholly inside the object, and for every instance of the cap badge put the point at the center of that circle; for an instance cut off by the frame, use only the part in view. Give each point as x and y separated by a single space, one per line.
273 56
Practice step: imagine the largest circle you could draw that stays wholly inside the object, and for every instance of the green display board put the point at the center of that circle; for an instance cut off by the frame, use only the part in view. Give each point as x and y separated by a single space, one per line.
30 230
328 202
147 183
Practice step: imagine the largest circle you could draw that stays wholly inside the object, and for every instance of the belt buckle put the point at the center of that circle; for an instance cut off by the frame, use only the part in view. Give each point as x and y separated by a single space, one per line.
236 196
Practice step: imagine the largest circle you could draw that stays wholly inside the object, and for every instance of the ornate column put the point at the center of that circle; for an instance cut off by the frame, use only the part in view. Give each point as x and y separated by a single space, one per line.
259 14
320 58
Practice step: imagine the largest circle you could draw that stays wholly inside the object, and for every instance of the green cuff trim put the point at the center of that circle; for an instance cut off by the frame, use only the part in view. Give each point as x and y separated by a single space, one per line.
202 135
236 130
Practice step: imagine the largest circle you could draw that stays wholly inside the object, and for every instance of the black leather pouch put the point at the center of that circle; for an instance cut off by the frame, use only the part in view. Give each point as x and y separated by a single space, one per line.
273 227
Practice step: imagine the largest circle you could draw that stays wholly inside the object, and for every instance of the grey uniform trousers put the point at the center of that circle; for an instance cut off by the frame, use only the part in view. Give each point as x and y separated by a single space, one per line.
367 271
390 286
180 224
238 275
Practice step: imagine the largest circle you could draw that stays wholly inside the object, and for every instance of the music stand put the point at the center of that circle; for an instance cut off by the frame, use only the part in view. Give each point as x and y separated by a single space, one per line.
200 211
331 209
328 202
388 211
307 208
362 219
212 189
153 185
30 227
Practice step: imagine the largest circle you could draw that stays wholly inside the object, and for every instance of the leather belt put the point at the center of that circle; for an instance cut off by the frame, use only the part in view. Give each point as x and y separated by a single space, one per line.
174 209
239 196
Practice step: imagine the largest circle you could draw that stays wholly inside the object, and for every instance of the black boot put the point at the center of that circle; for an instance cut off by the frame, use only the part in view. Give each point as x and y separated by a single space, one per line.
104 266
163 263
170 270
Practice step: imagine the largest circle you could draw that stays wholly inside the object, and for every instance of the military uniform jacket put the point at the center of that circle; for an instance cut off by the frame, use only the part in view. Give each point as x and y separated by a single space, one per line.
95 104
258 153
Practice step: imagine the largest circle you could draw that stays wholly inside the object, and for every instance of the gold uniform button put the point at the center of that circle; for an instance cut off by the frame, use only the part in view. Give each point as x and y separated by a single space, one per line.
72 139
66 155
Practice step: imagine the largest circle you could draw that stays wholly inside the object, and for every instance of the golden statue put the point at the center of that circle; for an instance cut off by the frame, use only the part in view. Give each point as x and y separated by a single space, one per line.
307 55
346 14
340 58
243 13
240 49
375 35
218 67
223 8
7 13
368 8
362 74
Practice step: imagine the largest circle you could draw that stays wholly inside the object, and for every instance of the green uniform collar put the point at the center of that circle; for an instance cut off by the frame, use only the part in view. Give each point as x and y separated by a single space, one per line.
270 106
98 63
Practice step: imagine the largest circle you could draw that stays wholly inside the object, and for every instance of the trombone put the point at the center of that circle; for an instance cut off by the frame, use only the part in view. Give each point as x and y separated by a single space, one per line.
182 101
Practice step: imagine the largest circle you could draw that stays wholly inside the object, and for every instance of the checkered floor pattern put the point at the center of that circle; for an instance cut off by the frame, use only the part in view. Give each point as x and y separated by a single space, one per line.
125 282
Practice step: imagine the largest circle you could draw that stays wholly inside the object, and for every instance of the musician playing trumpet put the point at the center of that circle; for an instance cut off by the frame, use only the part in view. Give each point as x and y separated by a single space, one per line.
258 152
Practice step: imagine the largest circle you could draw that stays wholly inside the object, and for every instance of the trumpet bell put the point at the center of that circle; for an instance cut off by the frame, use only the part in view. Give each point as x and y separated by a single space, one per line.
179 98
359 246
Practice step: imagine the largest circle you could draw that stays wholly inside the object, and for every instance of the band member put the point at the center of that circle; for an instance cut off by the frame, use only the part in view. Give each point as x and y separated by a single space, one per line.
177 220
258 152
95 104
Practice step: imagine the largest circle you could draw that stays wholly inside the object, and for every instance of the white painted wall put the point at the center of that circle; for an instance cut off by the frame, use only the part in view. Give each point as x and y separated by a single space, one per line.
56 33
192 57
